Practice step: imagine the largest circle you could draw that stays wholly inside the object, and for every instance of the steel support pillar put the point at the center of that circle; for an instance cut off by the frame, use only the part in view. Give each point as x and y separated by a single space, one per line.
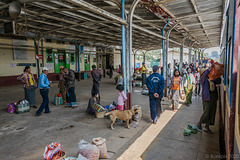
189 55
124 71
43 64
163 52
37 61
199 60
195 57
181 58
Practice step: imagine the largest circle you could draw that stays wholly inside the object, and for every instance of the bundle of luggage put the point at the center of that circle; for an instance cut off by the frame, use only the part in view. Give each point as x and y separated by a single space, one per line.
18 107
58 100
86 151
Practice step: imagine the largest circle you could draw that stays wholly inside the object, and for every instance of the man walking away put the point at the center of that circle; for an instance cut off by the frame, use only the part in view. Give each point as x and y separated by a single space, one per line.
155 84
97 77
44 85
70 85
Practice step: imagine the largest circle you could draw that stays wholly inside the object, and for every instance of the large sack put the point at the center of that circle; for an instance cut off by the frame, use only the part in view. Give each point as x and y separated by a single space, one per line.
217 71
88 150
100 143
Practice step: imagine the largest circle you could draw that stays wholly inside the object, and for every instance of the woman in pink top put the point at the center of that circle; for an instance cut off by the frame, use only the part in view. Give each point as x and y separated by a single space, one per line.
121 97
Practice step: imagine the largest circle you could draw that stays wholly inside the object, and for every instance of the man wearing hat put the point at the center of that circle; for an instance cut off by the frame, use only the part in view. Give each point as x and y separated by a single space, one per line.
155 84
96 76
209 98
44 85
143 70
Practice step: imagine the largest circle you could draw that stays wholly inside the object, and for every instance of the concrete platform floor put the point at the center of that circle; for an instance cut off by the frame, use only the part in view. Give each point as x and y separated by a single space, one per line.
24 136
171 144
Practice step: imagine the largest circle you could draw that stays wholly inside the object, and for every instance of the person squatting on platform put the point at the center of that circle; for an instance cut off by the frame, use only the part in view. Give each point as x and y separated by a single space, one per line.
155 84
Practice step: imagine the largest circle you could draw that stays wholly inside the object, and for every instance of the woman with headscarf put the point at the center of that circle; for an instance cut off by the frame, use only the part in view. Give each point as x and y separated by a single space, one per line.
27 78
188 84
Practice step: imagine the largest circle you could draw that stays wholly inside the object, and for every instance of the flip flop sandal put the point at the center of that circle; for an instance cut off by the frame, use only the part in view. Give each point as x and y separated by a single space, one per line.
208 131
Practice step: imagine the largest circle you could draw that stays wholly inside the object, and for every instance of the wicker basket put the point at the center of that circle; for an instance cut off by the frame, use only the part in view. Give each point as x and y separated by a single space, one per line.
100 114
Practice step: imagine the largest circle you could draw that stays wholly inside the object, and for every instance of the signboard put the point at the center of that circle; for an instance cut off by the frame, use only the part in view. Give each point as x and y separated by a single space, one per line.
39 57
60 57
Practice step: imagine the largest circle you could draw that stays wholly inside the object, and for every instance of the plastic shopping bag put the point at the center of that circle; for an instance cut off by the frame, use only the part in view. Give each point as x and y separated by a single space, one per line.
52 150
100 143
217 71
88 150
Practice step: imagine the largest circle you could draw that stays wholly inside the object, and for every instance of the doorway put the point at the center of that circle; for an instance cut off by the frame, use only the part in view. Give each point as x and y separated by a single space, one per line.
87 62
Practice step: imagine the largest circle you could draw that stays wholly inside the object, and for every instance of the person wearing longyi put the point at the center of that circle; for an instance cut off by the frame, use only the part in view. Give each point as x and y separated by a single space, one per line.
189 84
27 78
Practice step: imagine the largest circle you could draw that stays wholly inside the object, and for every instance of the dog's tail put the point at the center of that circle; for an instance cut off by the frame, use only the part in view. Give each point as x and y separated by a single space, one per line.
108 113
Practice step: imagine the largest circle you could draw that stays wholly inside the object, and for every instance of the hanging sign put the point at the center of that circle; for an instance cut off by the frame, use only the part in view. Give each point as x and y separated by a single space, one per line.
60 57
39 57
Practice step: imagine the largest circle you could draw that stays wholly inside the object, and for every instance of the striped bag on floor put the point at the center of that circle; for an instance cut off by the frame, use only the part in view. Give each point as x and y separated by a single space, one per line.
98 108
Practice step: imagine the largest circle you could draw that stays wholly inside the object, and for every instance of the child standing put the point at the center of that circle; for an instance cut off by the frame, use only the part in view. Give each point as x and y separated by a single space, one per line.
197 77
121 97
176 84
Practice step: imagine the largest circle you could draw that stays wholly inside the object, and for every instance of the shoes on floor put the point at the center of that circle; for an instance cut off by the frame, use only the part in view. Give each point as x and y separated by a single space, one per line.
199 128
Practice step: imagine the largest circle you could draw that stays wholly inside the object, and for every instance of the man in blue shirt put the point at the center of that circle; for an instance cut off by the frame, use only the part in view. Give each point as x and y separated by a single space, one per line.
44 85
155 84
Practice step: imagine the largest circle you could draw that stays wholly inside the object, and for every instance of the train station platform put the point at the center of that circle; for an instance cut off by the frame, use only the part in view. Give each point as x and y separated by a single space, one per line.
172 144
24 136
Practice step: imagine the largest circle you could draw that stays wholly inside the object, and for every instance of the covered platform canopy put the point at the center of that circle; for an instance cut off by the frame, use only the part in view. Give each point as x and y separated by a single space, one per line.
99 21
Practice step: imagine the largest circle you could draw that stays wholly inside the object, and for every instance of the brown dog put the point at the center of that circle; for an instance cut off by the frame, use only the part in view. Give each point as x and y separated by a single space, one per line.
121 115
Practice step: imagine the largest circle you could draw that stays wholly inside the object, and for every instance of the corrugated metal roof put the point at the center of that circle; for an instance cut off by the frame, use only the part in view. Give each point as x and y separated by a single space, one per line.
201 20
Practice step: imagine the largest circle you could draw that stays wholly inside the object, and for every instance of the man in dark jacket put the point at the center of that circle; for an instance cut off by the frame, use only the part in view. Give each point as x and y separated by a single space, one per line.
70 85
155 84
97 77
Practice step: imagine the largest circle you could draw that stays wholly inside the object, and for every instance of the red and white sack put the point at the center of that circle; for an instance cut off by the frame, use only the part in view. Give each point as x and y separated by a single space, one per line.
52 150
87 150
100 143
